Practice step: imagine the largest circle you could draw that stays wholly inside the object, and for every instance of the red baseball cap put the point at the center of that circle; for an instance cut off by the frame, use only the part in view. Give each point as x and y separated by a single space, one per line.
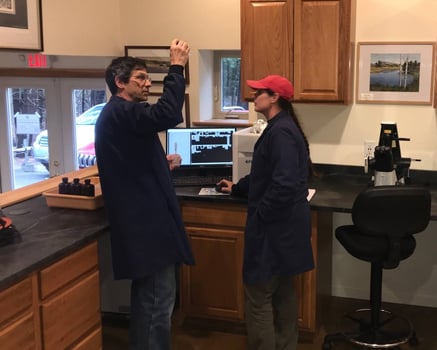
276 83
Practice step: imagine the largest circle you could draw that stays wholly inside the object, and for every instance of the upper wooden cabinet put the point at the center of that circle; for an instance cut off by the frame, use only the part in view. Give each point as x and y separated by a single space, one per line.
266 40
310 42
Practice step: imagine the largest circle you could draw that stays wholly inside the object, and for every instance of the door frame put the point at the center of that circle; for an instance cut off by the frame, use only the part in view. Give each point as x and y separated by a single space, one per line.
61 130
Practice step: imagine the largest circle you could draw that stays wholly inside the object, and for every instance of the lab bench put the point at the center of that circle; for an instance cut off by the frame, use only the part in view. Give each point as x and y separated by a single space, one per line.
47 272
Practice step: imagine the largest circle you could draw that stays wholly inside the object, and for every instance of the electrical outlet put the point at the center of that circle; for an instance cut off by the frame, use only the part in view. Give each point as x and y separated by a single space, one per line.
369 149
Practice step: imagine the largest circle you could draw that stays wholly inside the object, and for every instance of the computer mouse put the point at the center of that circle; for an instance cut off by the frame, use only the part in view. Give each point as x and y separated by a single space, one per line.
218 188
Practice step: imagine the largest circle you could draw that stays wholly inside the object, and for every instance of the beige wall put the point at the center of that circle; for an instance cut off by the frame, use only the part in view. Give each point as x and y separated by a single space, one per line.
82 28
336 133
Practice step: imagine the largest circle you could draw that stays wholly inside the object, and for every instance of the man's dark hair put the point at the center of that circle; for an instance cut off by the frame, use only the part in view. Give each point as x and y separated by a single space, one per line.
121 68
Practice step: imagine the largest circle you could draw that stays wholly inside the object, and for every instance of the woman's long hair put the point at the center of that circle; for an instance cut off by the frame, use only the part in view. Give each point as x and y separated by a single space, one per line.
287 106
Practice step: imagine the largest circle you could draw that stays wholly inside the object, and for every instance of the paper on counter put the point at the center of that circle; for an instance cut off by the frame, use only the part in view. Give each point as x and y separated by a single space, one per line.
210 191
206 191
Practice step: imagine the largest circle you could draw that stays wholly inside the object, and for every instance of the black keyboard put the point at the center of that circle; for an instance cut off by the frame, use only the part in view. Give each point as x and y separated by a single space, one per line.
198 180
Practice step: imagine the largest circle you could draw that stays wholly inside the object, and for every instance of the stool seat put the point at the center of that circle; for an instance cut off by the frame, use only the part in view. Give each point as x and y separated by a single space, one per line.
385 218
371 248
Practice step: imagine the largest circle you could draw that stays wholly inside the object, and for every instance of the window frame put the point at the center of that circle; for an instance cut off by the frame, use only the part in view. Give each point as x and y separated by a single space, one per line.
218 113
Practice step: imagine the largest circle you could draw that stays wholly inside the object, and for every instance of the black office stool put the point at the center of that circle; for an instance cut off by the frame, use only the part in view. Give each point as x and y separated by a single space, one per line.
384 221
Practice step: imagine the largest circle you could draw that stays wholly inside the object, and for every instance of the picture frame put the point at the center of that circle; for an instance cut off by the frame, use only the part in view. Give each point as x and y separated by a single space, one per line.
157 60
153 98
21 25
395 72
435 82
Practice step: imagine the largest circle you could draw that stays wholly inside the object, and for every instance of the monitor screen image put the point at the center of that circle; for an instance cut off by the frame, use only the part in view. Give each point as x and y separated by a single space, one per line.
201 146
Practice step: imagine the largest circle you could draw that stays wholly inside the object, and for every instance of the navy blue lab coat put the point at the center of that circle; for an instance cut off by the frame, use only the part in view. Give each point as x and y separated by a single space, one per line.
278 228
146 227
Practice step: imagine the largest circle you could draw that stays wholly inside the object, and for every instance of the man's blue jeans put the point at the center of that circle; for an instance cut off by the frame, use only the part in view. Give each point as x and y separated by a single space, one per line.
152 302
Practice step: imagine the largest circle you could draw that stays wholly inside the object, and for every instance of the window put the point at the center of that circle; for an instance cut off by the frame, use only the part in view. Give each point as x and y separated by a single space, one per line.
227 92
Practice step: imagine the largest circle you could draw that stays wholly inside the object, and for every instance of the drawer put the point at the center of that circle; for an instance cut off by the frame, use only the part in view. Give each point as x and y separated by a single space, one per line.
70 315
214 214
15 300
18 335
91 342
68 269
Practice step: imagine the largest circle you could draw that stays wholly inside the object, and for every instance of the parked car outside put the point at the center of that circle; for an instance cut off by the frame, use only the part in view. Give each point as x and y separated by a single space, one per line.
86 155
85 124
40 149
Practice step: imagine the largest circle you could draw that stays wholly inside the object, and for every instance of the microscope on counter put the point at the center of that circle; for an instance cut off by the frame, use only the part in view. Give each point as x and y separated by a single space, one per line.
389 167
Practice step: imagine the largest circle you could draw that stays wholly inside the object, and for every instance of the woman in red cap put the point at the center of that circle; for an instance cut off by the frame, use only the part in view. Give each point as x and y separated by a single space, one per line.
278 228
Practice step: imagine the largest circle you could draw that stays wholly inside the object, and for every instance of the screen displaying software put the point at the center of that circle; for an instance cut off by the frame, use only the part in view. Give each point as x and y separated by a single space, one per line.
201 146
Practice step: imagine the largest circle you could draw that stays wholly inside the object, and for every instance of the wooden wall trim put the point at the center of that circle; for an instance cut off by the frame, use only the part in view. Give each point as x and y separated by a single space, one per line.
52 73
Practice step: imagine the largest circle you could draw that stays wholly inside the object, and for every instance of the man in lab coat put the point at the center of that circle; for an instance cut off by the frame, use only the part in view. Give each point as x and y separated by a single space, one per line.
147 233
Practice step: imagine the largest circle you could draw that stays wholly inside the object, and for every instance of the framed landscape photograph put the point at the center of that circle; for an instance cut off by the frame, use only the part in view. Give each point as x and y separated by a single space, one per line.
395 73
21 25
154 96
157 59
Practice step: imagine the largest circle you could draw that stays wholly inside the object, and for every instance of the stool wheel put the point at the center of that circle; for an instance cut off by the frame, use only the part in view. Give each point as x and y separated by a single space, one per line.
413 341
326 346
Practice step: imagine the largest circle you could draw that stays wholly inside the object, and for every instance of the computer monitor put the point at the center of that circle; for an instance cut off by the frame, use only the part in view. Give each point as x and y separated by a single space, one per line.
201 147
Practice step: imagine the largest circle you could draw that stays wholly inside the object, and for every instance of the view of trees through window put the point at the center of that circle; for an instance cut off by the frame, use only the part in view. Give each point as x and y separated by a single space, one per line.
230 85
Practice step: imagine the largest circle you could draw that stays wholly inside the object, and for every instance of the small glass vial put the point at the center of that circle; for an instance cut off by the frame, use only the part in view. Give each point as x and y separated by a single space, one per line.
88 188
64 187
76 187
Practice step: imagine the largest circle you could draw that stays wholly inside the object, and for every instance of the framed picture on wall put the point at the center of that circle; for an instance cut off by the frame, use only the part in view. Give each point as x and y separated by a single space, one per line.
395 73
154 96
157 59
20 25
435 82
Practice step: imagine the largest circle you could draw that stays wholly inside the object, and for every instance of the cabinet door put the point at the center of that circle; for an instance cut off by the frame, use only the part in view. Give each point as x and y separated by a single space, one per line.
266 40
18 335
92 342
15 300
213 287
68 316
17 329
70 268
313 285
323 50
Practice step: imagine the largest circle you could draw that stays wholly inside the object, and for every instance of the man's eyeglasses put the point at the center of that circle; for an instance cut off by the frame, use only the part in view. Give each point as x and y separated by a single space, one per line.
143 78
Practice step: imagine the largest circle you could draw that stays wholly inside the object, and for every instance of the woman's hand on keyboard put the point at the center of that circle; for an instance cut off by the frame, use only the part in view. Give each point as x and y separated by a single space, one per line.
224 186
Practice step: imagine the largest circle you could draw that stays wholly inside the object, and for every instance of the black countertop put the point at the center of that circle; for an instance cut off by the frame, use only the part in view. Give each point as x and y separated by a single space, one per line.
47 234
336 188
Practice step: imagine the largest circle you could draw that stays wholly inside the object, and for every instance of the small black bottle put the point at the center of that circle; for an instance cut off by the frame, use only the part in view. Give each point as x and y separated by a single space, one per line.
88 188
64 187
76 187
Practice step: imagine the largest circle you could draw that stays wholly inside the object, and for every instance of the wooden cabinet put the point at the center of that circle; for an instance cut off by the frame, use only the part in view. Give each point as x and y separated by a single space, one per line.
310 42
314 285
70 298
56 308
266 40
17 329
213 287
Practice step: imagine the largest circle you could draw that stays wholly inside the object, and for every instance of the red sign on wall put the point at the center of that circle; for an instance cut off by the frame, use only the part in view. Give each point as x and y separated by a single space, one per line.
36 60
